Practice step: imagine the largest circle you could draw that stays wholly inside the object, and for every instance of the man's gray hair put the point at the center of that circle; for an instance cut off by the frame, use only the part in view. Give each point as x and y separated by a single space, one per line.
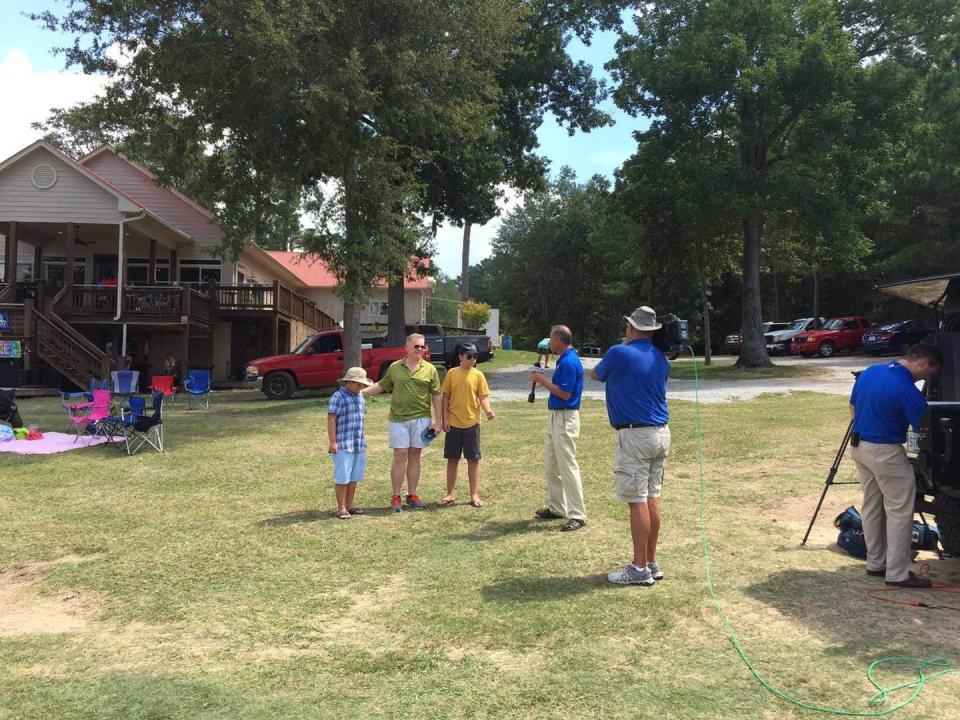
562 333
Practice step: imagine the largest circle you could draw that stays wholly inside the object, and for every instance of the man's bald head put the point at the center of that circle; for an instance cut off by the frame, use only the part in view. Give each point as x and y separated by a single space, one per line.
560 338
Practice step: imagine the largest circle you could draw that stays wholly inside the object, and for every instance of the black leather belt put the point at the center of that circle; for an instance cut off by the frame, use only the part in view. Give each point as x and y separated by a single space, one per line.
635 425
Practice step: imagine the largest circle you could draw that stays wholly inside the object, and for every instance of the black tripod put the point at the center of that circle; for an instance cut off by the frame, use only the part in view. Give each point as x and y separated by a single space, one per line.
830 479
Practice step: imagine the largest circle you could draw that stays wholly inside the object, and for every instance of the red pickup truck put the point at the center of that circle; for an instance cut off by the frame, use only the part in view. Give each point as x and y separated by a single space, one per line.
316 363
840 333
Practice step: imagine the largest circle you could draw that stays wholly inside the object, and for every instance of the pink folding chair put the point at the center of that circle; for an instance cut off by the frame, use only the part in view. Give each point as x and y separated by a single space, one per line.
99 412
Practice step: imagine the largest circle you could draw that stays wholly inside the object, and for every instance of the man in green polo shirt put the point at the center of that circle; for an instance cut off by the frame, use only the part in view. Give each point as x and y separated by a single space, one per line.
415 384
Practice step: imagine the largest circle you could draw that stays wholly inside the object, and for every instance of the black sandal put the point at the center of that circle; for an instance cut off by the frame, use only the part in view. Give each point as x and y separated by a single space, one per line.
343 515
355 511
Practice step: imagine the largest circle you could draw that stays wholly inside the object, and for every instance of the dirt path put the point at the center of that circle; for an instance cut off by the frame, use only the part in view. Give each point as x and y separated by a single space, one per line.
836 379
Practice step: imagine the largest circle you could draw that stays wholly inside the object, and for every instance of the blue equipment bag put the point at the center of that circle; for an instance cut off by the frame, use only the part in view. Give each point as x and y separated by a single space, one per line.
850 524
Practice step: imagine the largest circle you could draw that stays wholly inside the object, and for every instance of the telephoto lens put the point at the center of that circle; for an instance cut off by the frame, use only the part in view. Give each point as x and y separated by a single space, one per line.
533 386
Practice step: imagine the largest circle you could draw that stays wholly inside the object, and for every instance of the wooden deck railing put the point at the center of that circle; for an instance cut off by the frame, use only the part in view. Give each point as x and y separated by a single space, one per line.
67 350
272 298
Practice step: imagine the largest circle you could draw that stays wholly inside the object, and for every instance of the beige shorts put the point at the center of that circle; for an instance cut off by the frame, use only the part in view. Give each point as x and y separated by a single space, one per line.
638 462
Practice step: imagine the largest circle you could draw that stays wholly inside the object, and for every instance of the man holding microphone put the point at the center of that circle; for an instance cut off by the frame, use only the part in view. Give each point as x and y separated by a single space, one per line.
635 373
564 486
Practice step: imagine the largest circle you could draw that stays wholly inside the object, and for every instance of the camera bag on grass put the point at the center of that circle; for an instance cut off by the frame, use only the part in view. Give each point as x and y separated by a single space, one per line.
850 524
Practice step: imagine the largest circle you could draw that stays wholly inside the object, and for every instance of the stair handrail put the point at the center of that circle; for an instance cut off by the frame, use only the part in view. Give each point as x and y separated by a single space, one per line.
94 356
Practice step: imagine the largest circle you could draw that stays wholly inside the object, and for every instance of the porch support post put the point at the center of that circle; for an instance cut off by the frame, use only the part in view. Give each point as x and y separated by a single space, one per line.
152 267
10 259
174 266
38 261
68 262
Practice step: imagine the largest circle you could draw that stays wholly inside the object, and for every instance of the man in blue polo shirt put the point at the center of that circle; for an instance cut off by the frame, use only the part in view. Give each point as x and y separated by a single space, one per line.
635 373
564 486
885 400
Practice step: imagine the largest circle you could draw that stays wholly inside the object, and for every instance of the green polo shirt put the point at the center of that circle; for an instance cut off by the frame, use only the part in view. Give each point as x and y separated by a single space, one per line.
411 390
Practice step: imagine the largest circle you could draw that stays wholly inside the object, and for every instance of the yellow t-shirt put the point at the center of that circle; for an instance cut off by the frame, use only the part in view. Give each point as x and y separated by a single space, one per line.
465 388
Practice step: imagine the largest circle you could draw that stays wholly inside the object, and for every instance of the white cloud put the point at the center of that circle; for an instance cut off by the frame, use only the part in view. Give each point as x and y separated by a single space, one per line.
30 95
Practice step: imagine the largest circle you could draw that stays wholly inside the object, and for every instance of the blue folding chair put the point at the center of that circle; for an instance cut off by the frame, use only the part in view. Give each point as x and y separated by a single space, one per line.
141 429
197 386
97 384
125 382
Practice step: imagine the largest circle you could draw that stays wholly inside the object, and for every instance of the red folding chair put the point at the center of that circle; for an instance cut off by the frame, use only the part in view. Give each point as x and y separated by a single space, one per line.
164 384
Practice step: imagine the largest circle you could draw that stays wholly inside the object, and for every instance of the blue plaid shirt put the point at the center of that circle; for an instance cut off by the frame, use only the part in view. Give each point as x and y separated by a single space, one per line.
349 409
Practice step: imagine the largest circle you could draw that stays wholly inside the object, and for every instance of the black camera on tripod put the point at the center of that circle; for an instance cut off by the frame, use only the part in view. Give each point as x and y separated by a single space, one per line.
673 336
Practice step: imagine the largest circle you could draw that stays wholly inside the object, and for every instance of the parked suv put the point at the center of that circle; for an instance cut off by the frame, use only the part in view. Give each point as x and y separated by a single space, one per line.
896 337
840 333
778 341
937 463
731 343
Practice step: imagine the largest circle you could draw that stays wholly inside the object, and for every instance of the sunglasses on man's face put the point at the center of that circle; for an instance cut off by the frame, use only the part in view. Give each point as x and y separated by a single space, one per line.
419 347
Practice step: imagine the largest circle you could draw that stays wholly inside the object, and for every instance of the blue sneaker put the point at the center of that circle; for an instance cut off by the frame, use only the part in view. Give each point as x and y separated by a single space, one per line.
415 502
395 504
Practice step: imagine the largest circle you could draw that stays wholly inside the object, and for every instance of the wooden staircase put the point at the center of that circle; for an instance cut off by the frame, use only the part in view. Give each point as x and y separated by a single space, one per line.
66 350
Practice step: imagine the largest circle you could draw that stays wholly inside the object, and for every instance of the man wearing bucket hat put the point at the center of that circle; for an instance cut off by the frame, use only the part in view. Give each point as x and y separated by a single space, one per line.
635 373
348 444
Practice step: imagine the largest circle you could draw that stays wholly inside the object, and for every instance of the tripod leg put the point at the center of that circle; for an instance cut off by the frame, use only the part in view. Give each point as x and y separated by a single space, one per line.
830 476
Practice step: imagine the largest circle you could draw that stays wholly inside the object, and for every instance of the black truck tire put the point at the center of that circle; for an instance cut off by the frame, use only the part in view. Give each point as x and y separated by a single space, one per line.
279 385
946 514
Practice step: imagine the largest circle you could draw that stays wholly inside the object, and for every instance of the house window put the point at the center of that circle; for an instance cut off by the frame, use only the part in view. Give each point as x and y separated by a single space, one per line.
53 270
379 308
138 270
199 271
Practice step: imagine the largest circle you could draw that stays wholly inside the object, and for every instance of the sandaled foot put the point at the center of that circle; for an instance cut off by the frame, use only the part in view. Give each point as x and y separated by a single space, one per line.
343 515
446 501
477 502
356 511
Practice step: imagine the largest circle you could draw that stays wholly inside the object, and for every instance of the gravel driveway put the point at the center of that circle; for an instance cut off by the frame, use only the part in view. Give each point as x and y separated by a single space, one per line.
836 379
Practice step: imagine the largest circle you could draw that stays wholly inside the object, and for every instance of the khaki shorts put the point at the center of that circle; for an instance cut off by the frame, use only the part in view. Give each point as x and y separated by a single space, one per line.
638 462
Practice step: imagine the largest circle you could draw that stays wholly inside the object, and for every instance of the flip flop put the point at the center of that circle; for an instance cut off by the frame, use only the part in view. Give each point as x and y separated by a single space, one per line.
446 503
356 511
343 515
478 503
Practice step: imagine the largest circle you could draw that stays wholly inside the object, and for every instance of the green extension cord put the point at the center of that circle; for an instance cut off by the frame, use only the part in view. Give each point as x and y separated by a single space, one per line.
881 695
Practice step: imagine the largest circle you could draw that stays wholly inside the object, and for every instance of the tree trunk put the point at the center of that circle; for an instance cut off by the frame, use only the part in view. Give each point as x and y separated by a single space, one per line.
705 301
465 263
753 349
354 287
816 291
351 335
396 313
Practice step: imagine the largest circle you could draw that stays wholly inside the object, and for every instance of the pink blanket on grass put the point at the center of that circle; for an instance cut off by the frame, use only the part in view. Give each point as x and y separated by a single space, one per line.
52 442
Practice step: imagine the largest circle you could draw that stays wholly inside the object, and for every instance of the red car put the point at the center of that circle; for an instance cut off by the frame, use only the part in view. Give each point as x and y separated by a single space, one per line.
840 333
316 363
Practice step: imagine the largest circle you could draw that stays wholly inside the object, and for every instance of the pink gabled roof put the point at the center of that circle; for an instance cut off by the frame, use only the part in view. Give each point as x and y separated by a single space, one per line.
315 273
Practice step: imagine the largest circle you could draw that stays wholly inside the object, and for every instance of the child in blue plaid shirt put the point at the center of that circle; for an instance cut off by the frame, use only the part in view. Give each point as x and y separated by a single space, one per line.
348 446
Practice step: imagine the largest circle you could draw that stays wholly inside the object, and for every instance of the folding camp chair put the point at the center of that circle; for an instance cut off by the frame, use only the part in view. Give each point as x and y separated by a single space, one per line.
93 422
125 382
164 384
8 408
197 386
141 429
97 384
76 406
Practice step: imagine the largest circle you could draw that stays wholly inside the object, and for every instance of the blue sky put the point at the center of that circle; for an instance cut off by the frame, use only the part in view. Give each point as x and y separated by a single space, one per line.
33 80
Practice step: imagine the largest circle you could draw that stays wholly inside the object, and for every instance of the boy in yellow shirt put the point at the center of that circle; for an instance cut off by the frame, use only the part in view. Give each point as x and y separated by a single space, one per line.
465 393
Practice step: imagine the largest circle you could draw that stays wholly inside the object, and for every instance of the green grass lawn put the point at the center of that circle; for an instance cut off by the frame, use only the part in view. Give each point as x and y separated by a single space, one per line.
508 358
212 581
682 369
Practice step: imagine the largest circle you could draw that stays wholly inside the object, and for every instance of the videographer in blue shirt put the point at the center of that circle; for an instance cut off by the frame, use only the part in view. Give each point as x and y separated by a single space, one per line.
885 400
636 373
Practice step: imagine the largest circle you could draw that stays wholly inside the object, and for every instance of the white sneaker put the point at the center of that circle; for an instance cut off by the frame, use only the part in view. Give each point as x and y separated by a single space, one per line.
655 570
632 575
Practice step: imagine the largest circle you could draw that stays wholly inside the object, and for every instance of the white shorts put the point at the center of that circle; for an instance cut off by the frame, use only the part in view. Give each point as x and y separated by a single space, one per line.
406 433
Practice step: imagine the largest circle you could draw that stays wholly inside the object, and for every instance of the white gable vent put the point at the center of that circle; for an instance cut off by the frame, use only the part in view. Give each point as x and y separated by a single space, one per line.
44 176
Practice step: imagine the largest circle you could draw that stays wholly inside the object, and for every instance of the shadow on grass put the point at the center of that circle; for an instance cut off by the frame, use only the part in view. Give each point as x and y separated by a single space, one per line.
299 517
836 606
539 589
492 530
